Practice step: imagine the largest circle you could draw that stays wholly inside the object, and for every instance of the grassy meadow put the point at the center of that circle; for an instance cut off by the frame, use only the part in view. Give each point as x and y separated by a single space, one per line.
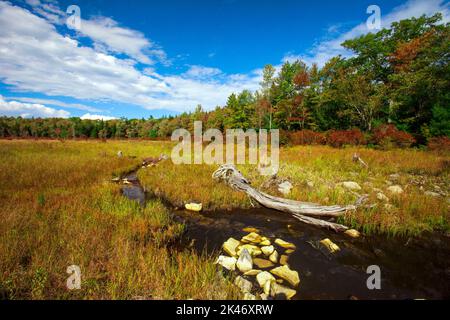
59 207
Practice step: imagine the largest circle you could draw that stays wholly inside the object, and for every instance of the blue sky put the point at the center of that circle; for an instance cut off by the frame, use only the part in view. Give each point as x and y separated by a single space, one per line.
140 58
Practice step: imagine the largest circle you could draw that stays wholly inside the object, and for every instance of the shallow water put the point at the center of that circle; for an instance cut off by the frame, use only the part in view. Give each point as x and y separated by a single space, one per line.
411 268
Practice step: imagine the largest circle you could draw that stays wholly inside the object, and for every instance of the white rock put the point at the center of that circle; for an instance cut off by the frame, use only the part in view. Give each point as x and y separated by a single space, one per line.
263 277
285 187
267 250
274 257
351 185
227 262
244 263
382 197
432 194
249 296
395 189
243 284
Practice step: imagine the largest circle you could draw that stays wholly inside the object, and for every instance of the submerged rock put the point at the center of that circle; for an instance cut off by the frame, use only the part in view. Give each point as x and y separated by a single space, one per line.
230 246
262 263
330 245
244 285
244 263
285 244
193 206
284 272
277 289
228 263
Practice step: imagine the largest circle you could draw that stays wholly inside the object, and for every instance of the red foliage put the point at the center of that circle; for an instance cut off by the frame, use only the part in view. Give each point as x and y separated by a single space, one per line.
340 138
303 137
388 135
441 144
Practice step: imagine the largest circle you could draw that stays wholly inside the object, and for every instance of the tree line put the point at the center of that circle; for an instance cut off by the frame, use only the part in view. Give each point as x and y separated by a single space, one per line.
397 76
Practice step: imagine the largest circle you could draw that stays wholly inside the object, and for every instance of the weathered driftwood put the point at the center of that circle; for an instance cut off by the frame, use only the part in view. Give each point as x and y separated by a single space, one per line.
306 212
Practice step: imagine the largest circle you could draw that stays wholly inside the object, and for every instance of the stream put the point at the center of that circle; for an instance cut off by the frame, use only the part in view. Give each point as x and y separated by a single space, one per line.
411 267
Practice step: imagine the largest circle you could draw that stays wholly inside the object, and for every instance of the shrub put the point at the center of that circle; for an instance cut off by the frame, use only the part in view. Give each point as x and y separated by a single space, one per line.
441 144
388 136
306 137
339 138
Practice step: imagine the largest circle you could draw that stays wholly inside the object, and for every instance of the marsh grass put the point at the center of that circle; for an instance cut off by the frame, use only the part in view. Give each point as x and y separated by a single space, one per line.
58 208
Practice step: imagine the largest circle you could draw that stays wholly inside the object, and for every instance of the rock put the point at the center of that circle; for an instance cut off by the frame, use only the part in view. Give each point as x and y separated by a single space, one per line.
252 237
395 189
120 154
284 272
252 249
227 262
265 242
351 185
262 263
249 296
284 259
389 207
310 184
244 263
267 286
267 250
382 197
244 285
277 289
230 246
264 277
331 246
352 233
263 296
432 194
252 272
116 179
394 176
274 257
289 251
193 206
285 187
377 190
250 229
285 244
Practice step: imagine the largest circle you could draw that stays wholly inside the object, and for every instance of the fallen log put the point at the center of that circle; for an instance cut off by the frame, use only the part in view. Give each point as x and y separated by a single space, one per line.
304 211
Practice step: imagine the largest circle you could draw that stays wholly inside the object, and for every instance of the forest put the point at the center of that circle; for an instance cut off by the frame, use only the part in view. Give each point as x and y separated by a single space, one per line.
393 88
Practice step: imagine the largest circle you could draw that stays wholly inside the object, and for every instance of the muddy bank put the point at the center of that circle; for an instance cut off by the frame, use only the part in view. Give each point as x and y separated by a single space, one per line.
411 268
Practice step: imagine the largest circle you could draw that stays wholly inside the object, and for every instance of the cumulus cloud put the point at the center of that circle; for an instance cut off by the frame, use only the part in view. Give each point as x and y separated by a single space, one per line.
58 103
327 49
28 110
35 57
96 117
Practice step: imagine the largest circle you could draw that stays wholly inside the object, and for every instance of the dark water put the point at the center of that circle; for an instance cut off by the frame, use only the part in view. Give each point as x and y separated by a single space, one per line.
411 268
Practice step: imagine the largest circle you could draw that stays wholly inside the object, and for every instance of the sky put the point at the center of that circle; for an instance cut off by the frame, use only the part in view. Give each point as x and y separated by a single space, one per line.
138 58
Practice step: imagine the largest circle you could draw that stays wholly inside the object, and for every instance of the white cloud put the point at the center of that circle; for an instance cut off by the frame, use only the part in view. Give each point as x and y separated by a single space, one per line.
327 49
34 57
53 102
202 72
96 117
28 110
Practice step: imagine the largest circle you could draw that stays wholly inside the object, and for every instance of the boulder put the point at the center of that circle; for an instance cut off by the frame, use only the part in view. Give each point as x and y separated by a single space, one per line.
252 237
228 263
264 242
244 263
330 245
230 246
252 272
262 263
284 272
274 257
277 289
252 249
267 250
285 244
193 206
264 277
396 189
244 285
351 185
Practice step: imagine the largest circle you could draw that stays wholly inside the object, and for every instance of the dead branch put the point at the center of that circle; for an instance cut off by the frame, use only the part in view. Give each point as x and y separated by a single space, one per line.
304 211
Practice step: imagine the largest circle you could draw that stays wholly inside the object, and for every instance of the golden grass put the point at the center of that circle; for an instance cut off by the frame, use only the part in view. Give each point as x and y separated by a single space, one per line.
412 212
58 208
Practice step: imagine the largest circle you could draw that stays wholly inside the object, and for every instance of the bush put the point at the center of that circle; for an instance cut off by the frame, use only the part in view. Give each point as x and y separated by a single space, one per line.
388 136
306 137
441 144
339 138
